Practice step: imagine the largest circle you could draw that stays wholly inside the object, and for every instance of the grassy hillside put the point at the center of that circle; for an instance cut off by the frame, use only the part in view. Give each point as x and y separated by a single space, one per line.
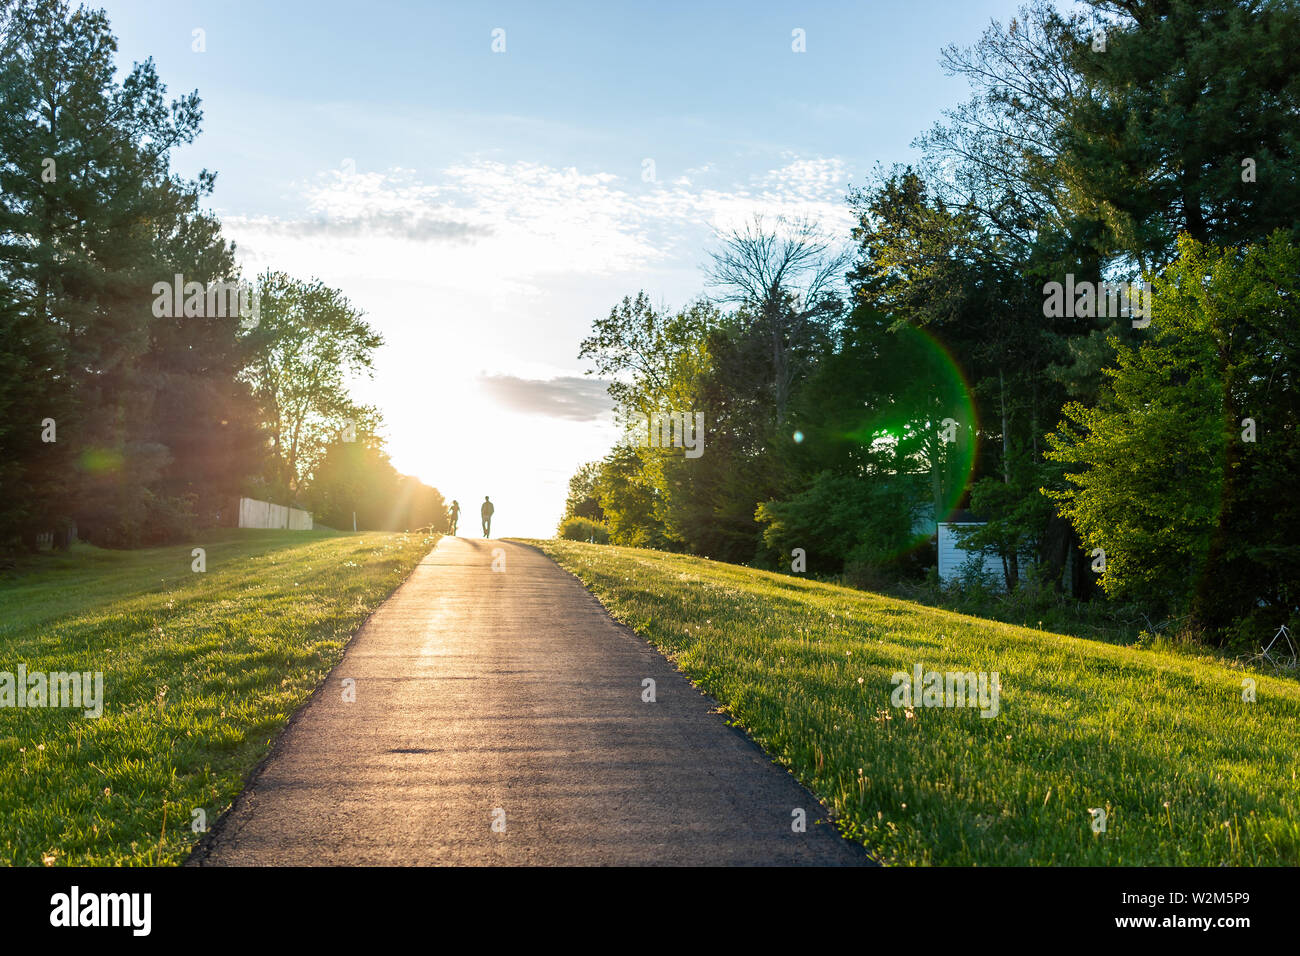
1186 771
201 670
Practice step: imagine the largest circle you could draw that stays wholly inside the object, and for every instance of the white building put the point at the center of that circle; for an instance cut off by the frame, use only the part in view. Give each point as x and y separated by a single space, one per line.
953 557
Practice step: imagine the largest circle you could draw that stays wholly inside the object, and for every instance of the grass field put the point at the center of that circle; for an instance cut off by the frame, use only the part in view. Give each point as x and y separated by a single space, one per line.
200 671
1187 772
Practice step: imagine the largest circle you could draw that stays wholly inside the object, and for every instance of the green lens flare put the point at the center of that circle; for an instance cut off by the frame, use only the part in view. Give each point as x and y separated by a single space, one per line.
99 461
922 434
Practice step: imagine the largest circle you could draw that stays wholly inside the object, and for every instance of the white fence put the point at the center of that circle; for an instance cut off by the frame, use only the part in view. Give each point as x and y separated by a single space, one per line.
263 514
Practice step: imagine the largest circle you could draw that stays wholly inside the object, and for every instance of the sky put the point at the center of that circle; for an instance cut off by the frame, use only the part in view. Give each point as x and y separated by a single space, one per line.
484 206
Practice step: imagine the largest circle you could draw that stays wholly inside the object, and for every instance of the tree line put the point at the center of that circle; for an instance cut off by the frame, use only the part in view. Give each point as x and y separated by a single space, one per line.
859 388
130 412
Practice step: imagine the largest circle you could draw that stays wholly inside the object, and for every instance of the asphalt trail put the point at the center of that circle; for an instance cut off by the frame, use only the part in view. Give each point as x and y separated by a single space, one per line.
484 695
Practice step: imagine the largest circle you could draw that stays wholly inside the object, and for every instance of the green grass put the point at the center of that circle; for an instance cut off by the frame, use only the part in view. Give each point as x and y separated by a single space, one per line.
1188 772
200 673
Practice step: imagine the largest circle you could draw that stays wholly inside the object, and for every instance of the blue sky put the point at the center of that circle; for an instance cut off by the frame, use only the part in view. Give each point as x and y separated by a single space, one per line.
484 207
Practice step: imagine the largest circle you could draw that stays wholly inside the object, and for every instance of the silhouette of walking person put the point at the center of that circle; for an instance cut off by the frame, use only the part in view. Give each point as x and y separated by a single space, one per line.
454 515
486 512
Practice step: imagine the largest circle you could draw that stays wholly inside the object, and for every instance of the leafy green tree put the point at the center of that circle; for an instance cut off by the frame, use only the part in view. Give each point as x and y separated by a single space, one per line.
1016 517
650 356
90 218
654 360
707 503
628 501
1184 474
876 408
582 501
357 478
1185 92
840 521
952 272
33 473
874 423
308 341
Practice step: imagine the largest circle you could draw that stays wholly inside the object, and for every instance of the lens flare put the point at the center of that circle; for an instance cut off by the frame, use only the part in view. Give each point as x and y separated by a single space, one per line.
922 431
98 461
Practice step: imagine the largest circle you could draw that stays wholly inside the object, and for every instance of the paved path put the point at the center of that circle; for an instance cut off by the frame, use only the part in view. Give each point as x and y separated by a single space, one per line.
479 690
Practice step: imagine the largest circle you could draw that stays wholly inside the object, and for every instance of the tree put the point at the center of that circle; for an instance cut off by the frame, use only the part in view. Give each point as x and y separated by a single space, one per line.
582 501
628 501
1184 474
649 355
885 442
654 359
841 521
1016 516
944 270
33 473
357 478
996 157
786 278
309 339
1186 91
90 218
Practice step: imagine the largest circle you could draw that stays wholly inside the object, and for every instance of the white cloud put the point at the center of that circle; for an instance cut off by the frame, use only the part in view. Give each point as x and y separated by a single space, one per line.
569 397
536 220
